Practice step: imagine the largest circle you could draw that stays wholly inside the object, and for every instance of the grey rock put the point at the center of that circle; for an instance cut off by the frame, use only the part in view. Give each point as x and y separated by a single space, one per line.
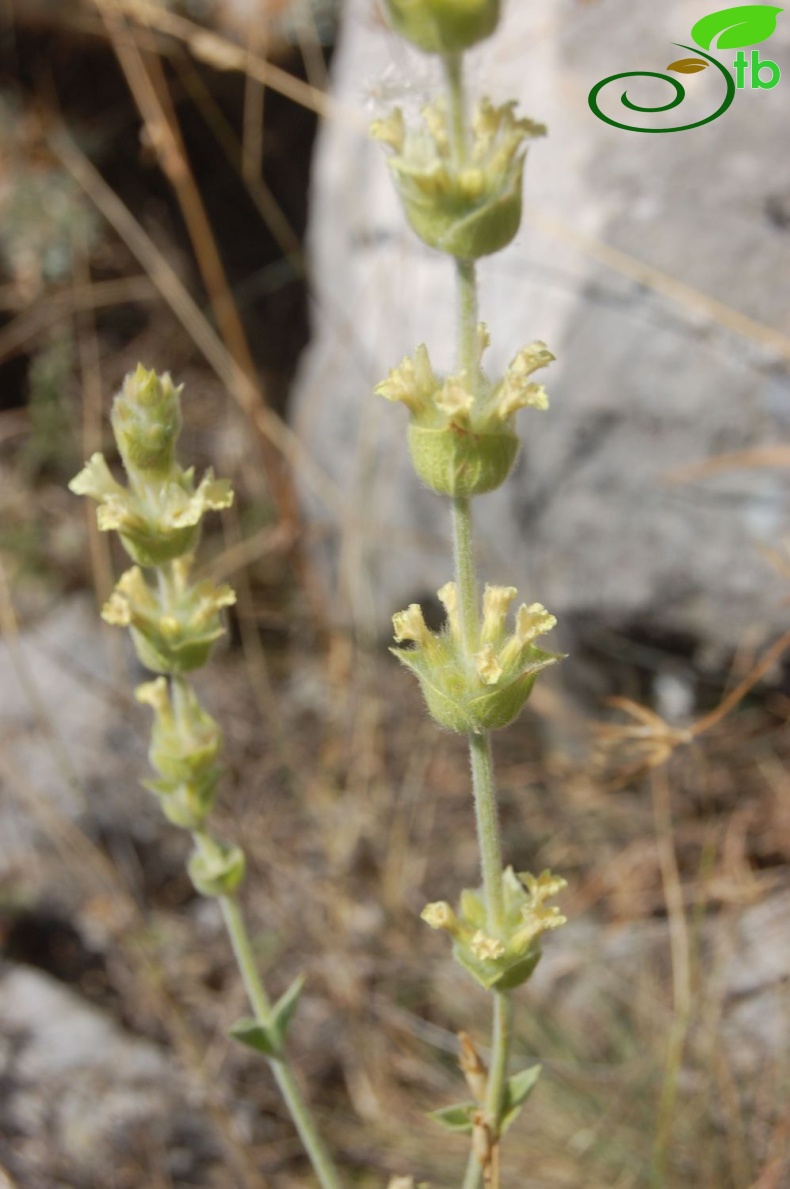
590 524
66 733
75 1085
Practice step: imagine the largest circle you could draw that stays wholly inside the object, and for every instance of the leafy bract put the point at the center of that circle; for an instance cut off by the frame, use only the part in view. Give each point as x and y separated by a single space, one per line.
268 1036
460 1117
517 1091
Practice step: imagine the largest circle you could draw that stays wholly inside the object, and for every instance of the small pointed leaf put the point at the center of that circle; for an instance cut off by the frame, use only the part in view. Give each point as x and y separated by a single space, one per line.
284 1008
457 1117
256 1036
733 28
517 1091
688 65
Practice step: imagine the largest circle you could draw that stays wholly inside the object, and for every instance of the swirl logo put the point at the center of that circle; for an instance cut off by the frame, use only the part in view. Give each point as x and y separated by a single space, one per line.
730 28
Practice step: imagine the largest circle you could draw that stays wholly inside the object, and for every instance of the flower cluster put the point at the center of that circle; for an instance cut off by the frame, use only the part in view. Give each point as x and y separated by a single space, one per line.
173 621
173 625
158 515
462 436
485 690
507 960
467 208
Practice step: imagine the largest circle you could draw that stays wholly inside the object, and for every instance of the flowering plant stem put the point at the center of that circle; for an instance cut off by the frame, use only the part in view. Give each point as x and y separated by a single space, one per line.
459 177
480 755
174 622
503 1014
322 1162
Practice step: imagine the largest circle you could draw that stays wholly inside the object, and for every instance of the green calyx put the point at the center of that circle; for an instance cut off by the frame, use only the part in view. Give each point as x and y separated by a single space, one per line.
216 868
174 625
462 435
459 461
507 960
487 689
444 26
185 746
467 209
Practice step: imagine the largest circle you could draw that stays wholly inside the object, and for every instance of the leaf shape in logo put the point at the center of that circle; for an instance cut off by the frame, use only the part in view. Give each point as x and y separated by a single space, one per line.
733 28
688 65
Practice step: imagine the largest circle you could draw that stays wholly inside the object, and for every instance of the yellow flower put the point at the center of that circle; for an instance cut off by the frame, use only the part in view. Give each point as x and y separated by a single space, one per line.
462 437
487 689
173 626
467 210
507 959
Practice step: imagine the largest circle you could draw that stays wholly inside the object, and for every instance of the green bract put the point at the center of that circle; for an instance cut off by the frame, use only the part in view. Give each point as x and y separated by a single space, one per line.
444 26
472 694
146 422
466 208
507 960
462 437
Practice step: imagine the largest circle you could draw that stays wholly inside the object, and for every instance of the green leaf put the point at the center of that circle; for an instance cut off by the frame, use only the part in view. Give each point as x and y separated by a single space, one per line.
283 1010
733 28
688 65
256 1036
459 1117
456 1118
517 1091
269 1038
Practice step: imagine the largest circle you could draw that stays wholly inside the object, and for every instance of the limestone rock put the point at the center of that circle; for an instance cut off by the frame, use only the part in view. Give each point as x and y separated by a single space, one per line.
75 1086
71 745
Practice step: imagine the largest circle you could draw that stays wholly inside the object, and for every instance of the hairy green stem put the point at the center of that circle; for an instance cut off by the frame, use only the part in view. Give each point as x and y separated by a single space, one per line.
497 1074
454 77
466 278
487 829
465 576
322 1162
473 1172
165 581
479 744
497 1080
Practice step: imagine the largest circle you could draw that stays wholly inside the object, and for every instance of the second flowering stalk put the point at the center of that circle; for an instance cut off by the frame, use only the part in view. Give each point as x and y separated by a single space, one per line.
174 622
460 182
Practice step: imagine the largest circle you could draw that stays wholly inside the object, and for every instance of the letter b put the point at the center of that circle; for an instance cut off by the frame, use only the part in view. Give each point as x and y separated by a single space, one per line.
758 66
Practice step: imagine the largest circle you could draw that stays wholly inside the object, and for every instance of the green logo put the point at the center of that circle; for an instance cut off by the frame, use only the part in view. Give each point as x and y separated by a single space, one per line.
728 29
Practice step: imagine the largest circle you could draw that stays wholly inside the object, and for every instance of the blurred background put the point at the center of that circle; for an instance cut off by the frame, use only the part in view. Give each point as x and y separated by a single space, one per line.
190 185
